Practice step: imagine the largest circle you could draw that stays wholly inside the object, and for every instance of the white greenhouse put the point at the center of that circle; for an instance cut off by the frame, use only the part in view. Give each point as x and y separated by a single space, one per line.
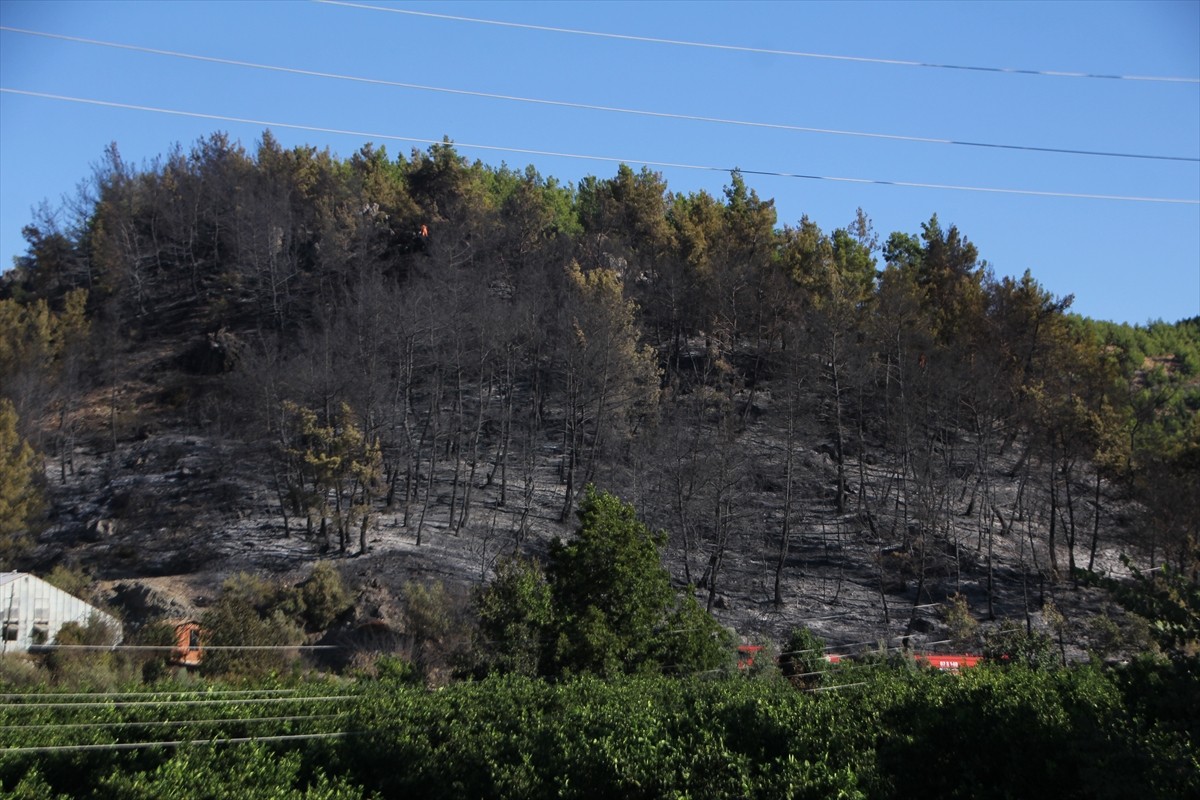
33 611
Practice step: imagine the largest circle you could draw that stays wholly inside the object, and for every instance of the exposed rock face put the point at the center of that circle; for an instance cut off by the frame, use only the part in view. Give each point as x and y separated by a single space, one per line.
99 529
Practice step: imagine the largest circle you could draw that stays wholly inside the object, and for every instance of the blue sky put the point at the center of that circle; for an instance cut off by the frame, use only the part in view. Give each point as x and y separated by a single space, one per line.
1123 260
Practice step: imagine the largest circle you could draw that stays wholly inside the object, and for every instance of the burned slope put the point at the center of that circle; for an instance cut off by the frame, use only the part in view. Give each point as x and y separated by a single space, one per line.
417 365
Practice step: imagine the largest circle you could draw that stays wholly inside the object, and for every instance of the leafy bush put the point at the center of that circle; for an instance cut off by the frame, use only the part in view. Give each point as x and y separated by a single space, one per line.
323 596
84 661
156 663
515 613
803 658
1170 600
74 581
691 641
246 772
1011 644
390 669
438 632
1104 636
20 671
247 618
964 628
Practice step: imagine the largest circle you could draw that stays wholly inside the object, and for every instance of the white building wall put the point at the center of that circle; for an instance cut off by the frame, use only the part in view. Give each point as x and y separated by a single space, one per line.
32 612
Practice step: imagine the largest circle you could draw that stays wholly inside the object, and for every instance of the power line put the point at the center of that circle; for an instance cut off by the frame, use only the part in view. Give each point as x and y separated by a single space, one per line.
594 107
177 743
607 159
161 703
203 693
172 723
862 644
172 647
838 686
760 50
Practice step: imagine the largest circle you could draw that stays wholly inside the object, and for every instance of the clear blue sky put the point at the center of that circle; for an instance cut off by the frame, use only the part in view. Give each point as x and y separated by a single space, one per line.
1123 260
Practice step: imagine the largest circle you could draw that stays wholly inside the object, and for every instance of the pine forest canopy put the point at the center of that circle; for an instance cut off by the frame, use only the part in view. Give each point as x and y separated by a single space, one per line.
394 332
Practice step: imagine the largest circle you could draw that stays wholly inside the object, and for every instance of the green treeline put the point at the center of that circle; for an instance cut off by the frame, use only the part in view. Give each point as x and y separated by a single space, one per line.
886 732
432 336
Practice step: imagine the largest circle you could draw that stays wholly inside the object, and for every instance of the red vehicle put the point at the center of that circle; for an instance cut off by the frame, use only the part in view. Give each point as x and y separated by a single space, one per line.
948 663
746 654
944 662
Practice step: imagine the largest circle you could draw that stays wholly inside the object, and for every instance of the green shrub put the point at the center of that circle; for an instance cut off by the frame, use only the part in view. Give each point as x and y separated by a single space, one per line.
155 663
439 634
1104 636
691 641
239 772
84 660
74 581
390 669
248 615
323 596
1012 644
803 659
515 613
20 671
963 627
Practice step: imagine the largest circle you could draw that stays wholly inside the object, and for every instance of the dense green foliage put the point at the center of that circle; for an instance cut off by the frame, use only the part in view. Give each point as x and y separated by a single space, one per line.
1013 645
1081 733
1170 602
250 612
97 744
515 617
803 658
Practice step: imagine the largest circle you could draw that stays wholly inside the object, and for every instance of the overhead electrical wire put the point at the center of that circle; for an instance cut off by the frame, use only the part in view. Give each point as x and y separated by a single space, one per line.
164 723
173 647
215 694
607 159
760 50
142 745
594 107
160 703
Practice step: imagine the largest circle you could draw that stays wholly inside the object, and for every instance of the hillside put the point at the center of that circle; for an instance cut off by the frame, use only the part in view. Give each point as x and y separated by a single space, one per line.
250 362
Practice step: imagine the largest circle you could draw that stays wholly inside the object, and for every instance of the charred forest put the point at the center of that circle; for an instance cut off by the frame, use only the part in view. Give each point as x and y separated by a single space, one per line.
251 359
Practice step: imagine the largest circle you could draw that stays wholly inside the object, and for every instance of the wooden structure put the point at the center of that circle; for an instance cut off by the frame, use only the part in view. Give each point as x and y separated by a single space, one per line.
188 651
